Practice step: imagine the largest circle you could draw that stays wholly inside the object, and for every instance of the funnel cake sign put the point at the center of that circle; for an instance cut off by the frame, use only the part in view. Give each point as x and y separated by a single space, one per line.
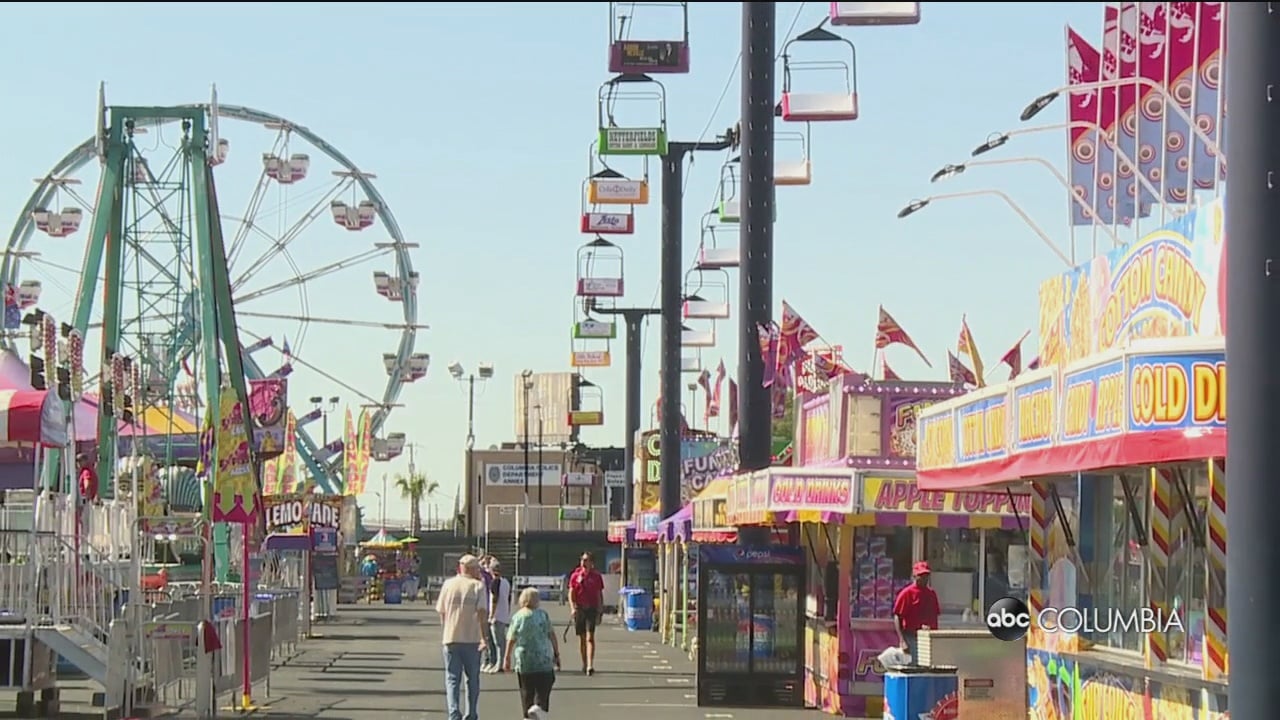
811 490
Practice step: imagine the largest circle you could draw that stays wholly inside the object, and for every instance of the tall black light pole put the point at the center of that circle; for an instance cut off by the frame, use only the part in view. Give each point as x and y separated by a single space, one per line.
1253 298
526 379
634 319
483 373
672 279
755 407
538 407
324 408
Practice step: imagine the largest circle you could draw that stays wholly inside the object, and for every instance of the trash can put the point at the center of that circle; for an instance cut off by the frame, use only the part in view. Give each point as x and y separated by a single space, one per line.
637 609
392 589
410 588
918 691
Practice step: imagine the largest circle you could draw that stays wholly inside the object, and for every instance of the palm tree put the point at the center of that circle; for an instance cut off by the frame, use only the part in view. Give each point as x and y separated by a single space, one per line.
415 488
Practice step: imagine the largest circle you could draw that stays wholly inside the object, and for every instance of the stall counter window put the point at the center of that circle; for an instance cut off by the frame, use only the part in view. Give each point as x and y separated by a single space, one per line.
882 565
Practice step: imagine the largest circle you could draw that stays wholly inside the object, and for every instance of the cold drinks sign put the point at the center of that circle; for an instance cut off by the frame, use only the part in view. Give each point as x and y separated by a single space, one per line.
818 490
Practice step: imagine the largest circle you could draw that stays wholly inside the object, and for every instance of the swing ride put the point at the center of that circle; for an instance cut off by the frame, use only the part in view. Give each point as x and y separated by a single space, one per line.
285 270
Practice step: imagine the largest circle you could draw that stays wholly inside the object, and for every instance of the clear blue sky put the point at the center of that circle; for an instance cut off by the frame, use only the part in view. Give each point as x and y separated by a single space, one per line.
477 119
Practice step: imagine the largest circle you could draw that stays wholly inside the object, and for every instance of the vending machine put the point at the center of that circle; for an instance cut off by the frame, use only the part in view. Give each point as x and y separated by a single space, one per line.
750 626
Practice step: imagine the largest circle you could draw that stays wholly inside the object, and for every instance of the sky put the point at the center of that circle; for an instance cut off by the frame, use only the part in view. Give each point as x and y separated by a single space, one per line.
477 120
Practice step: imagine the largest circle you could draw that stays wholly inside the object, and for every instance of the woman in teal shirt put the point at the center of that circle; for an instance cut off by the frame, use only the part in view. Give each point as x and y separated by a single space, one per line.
533 653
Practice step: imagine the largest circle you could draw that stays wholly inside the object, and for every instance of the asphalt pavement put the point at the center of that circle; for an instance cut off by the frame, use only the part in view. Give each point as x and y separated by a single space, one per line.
384 662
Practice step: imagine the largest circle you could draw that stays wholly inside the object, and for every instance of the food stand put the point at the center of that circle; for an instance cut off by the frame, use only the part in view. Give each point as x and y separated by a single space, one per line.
1121 441
386 563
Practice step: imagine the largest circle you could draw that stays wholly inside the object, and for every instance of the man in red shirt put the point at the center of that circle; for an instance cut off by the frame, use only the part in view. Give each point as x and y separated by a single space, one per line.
586 601
916 608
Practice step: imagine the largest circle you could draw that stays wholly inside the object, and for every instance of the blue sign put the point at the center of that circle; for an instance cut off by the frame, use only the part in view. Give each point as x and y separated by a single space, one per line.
1093 402
1033 415
324 540
1177 391
743 555
982 429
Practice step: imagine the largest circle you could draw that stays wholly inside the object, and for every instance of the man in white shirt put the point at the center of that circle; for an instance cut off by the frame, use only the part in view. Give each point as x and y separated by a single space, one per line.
464 616
499 615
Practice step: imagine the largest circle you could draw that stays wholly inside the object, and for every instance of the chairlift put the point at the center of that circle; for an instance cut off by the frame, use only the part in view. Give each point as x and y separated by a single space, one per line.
606 218
874 13
718 252
590 339
706 294
729 204
697 337
838 102
791 158
600 270
588 408
639 94
654 56
607 186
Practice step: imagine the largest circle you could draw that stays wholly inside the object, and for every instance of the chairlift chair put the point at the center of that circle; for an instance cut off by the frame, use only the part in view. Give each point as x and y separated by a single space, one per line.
809 103
588 410
702 337
874 13
791 158
590 339
653 56
600 265
729 204
718 252
706 294
646 135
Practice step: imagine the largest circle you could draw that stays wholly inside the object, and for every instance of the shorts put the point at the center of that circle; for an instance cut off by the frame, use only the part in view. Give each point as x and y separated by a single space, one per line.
585 621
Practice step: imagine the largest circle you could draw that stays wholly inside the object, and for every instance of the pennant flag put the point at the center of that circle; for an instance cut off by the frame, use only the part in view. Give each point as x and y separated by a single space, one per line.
967 347
889 332
1113 207
1128 144
1034 364
887 372
733 406
1013 358
959 372
1153 45
1084 65
713 410
793 335
704 382
768 337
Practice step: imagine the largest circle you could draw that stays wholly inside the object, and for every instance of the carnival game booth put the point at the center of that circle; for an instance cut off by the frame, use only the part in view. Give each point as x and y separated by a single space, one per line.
1121 439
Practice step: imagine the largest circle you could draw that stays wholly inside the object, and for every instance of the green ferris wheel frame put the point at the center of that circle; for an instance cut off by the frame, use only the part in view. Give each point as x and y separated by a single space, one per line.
321 465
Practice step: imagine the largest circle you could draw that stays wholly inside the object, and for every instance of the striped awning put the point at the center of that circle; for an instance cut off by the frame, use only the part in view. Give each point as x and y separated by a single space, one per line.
37 417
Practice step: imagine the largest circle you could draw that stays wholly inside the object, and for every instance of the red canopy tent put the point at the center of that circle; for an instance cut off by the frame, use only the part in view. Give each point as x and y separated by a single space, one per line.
36 417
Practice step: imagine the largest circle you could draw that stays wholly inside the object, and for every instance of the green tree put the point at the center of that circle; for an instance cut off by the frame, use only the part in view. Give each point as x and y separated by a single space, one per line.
415 488
784 428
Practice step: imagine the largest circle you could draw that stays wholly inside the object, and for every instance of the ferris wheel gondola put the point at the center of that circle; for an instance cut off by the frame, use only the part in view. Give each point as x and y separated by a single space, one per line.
284 268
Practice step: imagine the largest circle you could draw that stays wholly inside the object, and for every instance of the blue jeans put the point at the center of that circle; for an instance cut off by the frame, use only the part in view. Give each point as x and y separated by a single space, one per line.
462 659
497 642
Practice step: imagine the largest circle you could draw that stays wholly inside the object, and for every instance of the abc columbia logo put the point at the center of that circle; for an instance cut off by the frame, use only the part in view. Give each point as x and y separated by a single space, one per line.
1009 619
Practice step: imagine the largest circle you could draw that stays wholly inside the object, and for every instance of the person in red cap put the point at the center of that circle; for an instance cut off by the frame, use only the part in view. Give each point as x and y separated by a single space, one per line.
916 608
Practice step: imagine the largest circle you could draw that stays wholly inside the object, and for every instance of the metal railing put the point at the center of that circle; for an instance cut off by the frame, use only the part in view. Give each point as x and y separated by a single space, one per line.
520 519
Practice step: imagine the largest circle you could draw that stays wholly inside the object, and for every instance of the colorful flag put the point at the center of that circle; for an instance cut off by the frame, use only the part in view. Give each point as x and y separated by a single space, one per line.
1084 65
889 332
235 489
1153 40
958 372
793 335
887 372
768 338
1129 141
704 382
1180 76
1211 56
733 406
713 410
1034 364
966 346
1113 207
1013 358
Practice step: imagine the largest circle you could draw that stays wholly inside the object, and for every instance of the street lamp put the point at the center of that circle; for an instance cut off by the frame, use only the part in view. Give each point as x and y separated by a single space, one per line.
1035 107
325 409
916 206
693 403
527 385
538 408
484 372
951 170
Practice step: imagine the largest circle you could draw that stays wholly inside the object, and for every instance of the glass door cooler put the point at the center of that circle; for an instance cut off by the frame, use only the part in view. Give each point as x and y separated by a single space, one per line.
750 626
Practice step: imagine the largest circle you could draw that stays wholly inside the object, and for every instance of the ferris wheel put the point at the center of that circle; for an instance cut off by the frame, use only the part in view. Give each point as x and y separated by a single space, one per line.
320 276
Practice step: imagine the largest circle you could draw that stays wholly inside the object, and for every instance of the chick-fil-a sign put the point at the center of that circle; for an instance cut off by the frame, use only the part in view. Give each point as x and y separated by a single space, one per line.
824 491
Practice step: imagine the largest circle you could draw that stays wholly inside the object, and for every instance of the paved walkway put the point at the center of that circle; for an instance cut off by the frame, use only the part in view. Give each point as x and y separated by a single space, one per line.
384 662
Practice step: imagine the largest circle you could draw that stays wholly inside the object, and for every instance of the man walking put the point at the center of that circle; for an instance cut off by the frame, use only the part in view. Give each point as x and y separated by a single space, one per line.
463 607
586 601
499 615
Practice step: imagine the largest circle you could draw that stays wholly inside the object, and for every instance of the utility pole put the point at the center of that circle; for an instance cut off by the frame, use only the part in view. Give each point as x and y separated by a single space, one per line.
755 302
672 279
540 465
1253 297
526 386
634 319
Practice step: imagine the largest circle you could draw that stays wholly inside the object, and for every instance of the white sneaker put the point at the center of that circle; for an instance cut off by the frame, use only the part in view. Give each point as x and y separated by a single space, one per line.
537 713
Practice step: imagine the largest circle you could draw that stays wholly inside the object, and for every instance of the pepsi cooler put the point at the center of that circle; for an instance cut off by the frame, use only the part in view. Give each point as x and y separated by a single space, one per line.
750 626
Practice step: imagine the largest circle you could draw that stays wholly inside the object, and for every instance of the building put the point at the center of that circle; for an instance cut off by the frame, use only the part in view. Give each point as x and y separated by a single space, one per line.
566 494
